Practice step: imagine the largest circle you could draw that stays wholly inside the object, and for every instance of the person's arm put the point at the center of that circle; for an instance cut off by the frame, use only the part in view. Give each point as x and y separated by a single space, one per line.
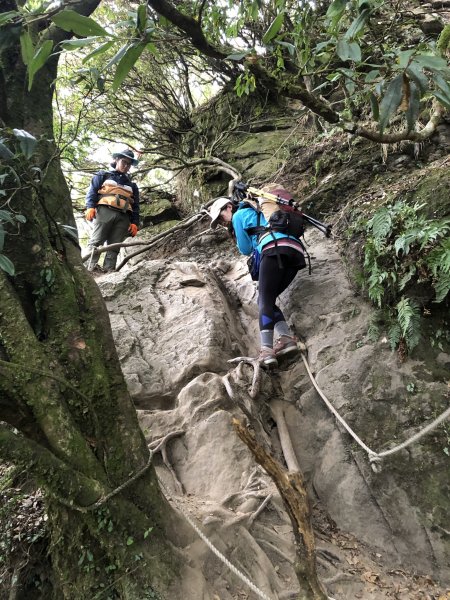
92 193
243 240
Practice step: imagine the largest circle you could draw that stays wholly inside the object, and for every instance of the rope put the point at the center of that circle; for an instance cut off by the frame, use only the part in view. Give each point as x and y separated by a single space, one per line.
375 458
215 551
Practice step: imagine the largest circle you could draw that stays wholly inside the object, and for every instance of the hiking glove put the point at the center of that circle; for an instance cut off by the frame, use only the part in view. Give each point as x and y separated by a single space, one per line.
133 229
90 214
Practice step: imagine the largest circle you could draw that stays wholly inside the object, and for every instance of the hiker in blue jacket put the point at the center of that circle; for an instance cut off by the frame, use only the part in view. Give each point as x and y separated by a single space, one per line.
112 202
282 256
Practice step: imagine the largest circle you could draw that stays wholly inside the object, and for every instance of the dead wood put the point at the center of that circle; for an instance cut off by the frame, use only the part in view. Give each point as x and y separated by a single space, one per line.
293 492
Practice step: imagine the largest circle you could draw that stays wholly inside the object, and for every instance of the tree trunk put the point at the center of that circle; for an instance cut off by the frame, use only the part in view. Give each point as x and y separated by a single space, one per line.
67 415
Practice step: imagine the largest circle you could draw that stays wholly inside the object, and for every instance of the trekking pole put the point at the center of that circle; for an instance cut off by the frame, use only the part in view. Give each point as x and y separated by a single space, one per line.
244 188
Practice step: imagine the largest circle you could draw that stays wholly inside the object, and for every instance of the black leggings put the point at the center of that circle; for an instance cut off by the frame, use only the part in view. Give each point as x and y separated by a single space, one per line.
272 282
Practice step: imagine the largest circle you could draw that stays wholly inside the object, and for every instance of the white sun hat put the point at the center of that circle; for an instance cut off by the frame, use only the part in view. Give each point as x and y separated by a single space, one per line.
216 207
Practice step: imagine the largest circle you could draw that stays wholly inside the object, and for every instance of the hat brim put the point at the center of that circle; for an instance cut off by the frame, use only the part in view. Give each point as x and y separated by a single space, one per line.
134 161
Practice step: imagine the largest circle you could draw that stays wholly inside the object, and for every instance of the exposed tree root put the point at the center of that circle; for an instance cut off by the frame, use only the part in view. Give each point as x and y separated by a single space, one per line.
256 382
160 445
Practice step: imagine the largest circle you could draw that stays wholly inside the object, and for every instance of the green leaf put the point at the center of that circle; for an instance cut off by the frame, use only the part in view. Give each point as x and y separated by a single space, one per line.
412 114
8 16
100 50
274 28
2 237
130 541
20 218
442 98
442 84
79 43
5 152
348 50
428 61
117 56
39 60
69 20
6 216
404 58
372 75
141 17
126 64
238 55
358 25
290 47
414 72
27 142
26 47
374 106
336 9
390 101
6 265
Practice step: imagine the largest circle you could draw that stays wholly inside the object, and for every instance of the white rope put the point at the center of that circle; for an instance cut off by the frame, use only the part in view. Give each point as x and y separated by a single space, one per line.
211 546
375 458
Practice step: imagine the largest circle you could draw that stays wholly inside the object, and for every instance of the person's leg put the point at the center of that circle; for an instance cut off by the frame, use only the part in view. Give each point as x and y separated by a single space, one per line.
118 233
102 228
286 342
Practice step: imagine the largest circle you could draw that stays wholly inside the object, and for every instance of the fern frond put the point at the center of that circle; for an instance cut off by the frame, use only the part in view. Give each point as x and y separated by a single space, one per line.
408 317
380 224
394 335
442 287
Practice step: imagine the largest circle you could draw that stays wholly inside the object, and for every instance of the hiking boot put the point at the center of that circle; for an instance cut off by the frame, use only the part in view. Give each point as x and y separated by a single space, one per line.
267 357
286 344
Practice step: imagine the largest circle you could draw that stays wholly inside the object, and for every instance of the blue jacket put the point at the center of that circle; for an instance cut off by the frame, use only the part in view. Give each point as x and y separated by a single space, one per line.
97 182
244 218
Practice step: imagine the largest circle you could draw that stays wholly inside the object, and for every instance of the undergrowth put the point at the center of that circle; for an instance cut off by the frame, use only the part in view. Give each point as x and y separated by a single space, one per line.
403 249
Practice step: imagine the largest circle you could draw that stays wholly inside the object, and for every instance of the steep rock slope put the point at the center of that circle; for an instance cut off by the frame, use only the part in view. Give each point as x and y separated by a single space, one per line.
178 319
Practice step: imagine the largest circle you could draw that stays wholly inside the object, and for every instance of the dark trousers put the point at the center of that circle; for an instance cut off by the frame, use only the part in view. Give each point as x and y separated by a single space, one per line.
110 226
273 280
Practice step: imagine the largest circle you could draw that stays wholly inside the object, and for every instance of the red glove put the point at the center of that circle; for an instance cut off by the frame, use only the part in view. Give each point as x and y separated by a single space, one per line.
133 229
90 214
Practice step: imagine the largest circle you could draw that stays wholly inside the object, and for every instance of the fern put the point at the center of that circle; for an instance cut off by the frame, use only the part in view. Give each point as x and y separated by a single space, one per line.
408 317
394 335
380 225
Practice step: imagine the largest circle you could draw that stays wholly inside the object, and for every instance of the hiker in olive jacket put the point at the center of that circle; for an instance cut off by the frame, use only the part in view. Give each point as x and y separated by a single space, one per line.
112 203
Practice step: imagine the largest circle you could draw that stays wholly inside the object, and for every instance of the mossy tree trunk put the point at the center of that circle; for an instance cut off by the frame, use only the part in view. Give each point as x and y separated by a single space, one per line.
66 414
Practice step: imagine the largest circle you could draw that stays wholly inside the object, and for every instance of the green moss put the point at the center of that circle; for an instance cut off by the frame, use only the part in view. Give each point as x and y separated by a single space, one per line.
443 42
434 192
155 207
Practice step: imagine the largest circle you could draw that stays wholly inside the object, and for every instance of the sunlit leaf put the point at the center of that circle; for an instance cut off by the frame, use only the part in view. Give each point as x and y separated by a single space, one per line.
238 55
117 57
126 64
274 28
6 265
390 101
78 43
69 20
8 16
26 47
141 17
39 60
27 142
99 50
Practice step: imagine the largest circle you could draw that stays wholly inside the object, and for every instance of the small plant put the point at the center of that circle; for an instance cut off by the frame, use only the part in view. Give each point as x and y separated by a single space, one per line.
404 247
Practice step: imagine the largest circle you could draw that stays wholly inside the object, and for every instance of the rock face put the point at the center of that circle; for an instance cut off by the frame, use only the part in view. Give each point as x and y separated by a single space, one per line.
176 323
